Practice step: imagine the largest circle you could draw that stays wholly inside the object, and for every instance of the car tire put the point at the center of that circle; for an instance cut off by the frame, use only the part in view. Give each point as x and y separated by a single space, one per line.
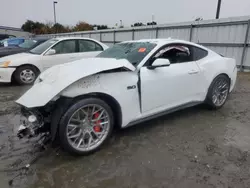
81 144
218 92
25 75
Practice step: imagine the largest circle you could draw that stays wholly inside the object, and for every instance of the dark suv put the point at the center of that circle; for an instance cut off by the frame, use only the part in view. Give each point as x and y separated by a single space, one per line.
6 36
27 45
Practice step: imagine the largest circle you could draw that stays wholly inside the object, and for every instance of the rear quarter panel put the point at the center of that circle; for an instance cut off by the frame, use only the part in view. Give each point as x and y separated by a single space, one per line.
214 65
113 84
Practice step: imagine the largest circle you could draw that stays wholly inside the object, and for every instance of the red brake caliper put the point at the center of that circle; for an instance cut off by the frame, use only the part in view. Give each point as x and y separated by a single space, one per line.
97 127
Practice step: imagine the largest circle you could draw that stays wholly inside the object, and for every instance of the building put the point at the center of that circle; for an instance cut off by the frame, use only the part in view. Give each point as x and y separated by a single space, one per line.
14 31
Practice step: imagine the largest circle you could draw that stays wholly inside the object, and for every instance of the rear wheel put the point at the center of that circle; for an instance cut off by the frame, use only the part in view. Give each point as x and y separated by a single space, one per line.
218 92
25 75
86 126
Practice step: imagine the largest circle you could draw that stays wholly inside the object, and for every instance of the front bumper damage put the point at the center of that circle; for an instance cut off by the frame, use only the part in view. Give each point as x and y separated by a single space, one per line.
32 123
43 120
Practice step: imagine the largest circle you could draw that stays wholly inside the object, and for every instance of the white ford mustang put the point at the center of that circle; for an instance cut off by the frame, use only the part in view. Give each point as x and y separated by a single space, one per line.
80 102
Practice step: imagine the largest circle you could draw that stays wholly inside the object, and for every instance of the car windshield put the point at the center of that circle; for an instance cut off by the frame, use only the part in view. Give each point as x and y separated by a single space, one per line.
134 52
42 47
28 43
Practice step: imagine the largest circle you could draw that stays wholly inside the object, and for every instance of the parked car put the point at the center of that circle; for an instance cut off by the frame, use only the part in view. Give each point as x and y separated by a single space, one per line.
25 67
5 36
26 46
81 102
11 42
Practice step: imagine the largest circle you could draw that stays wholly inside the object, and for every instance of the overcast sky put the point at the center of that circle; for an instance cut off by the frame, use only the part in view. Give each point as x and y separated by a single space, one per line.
15 12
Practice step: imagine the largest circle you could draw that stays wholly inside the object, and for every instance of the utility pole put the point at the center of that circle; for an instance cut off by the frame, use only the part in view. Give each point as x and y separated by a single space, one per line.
121 24
218 9
54 6
152 26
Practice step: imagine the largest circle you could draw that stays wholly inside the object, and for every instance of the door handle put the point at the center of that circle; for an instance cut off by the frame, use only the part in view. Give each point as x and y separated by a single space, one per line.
193 72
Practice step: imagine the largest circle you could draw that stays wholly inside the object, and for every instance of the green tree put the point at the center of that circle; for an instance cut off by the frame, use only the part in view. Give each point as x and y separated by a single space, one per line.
49 27
32 27
100 27
137 24
82 26
58 28
151 23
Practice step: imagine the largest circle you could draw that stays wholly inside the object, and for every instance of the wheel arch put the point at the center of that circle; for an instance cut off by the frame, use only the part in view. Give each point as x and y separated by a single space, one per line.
211 83
59 109
27 64
225 74
110 100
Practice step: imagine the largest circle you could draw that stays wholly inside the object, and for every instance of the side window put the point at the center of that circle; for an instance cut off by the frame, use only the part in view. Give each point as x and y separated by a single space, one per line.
65 47
175 54
89 46
198 53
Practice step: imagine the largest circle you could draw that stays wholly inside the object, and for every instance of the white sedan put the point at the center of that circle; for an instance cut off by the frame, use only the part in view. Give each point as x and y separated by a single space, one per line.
25 67
81 102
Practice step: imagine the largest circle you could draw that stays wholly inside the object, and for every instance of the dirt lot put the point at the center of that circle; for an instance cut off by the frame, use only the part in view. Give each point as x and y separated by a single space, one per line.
191 148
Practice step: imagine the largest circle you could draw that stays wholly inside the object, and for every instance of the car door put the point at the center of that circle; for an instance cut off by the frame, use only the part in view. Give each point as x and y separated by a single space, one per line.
88 48
65 51
171 86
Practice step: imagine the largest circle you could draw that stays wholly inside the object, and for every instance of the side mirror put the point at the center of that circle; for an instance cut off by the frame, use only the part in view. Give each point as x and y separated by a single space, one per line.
160 62
51 52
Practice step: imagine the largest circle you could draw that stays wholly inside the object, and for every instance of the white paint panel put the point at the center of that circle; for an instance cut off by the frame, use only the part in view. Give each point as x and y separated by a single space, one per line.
150 34
220 34
123 36
86 35
174 33
95 36
108 36
77 35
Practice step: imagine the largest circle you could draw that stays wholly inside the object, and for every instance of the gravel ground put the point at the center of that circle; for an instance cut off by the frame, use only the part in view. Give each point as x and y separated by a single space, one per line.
192 148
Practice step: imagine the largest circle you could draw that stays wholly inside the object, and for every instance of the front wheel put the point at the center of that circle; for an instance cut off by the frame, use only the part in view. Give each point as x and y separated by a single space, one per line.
85 126
25 75
218 92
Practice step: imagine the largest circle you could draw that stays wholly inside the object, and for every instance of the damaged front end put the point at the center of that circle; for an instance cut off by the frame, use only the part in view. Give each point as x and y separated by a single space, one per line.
34 121
42 120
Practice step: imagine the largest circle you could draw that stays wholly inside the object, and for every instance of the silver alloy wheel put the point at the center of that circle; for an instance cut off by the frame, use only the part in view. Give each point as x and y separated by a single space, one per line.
88 127
27 76
220 91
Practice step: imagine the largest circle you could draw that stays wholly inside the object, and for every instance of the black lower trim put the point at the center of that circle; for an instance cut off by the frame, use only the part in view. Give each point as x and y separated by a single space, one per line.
10 67
187 105
139 90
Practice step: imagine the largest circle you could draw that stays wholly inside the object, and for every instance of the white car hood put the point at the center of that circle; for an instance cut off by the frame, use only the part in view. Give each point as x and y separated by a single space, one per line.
57 78
17 59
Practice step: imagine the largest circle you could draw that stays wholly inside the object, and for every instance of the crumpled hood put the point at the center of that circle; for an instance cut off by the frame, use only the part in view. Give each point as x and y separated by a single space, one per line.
72 71
57 78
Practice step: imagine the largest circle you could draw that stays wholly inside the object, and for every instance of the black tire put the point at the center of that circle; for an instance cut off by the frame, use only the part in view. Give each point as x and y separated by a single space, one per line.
64 143
32 70
209 99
